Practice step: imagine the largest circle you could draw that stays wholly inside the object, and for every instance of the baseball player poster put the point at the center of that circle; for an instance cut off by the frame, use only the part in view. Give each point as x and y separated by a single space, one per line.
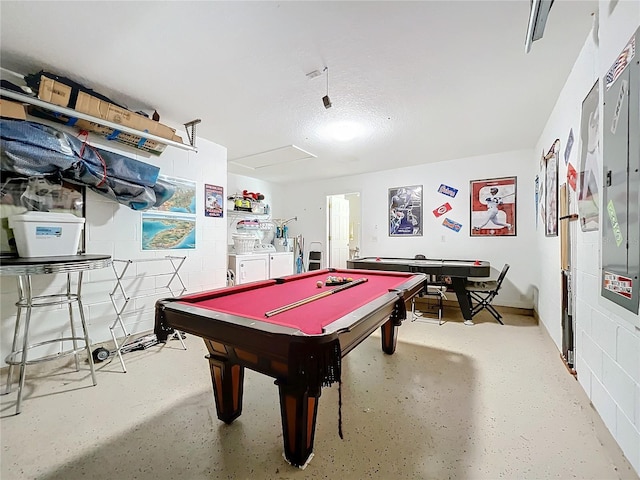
493 207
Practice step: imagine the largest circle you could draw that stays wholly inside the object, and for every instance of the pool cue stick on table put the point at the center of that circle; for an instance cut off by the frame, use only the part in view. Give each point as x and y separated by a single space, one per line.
313 298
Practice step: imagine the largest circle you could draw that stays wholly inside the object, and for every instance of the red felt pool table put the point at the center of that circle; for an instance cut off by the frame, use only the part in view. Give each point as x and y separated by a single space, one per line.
301 347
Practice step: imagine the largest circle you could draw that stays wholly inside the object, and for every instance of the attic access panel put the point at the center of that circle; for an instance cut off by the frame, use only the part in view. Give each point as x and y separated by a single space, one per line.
269 158
620 280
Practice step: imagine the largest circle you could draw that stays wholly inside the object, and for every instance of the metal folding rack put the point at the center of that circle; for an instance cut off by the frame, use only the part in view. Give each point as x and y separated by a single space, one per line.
120 299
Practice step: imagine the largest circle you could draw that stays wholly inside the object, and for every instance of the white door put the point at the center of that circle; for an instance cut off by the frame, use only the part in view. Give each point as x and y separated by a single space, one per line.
338 231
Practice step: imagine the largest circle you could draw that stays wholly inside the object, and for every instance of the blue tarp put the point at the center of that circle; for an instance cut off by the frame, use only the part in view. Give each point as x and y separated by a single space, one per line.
34 149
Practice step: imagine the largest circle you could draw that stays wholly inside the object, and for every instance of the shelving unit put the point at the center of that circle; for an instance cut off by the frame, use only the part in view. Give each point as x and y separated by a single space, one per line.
235 215
120 298
70 112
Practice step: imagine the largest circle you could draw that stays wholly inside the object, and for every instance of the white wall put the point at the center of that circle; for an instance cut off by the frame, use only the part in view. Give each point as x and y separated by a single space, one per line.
607 337
308 202
114 229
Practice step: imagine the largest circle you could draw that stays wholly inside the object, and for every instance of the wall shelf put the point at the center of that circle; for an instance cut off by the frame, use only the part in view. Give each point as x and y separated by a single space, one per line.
70 112
240 213
234 216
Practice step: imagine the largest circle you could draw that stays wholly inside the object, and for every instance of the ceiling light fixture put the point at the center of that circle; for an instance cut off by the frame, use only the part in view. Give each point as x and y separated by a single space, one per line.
325 99
343 131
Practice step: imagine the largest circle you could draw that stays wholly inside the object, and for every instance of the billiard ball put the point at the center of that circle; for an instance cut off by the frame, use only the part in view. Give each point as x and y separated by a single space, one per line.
349 279
319 283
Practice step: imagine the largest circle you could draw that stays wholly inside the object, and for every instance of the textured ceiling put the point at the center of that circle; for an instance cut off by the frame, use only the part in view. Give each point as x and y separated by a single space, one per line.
425 81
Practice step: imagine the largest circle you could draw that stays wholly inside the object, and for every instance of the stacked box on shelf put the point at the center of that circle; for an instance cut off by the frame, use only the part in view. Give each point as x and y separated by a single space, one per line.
13 110
58 93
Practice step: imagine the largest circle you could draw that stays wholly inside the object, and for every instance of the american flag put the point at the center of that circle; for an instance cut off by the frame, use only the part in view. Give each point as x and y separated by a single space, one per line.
621 62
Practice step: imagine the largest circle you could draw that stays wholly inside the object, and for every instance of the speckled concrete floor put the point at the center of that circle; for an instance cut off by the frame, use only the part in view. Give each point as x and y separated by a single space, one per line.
453 402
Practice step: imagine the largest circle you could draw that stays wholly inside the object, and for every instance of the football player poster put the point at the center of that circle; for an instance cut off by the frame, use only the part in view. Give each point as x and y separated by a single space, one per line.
405 211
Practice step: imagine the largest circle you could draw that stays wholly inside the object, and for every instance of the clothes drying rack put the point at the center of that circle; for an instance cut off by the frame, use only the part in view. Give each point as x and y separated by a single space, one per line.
121 299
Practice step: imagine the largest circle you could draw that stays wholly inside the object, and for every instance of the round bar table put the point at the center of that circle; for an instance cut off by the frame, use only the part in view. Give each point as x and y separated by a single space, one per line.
24 268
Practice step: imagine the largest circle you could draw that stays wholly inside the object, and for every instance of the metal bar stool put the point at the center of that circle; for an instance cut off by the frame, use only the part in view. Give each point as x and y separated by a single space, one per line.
24 269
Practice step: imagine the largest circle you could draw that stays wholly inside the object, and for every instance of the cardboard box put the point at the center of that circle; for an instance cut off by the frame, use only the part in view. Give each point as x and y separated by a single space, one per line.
46 234
107 111
54 92
10 109
129 139
58 93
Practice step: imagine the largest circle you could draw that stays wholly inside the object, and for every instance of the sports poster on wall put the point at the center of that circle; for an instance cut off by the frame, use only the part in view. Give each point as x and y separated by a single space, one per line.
551 190
405 211
213 201
493 207
589 169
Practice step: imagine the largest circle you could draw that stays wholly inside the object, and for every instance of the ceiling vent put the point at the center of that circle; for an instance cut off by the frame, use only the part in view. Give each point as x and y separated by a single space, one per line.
270 158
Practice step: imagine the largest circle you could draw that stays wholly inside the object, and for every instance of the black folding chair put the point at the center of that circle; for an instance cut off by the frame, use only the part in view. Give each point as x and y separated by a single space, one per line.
481 294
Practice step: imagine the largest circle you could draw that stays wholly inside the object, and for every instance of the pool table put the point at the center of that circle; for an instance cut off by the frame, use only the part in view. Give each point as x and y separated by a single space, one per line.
457 270
301 347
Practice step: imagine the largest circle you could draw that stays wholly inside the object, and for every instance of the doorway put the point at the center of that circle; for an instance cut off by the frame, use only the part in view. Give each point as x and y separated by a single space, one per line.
343 228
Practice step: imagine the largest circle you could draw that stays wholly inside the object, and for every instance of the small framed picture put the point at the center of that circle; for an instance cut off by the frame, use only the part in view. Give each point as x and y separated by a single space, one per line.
493 207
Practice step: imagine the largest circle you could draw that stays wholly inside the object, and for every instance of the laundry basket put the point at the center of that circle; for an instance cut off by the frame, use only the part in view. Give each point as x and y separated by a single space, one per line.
243 242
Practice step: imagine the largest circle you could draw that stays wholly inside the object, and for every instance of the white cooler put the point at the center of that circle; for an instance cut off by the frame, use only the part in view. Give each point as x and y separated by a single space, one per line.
46 234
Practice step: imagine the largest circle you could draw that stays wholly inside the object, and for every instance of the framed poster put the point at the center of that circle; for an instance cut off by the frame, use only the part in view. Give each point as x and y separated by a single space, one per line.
493 207
551 190
213 201
40 194
405 211
589 170
172 225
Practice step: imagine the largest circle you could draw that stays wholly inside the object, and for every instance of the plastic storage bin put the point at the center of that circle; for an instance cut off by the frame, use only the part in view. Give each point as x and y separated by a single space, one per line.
46 234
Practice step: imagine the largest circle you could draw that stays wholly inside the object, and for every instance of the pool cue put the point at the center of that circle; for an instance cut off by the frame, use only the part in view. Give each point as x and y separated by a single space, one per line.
313 298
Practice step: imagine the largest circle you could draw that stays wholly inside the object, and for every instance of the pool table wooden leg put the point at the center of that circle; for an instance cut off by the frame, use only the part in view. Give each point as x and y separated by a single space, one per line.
389 336
228 379
298 408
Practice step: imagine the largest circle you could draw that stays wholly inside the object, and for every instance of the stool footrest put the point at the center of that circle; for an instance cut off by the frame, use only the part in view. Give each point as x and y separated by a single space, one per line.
11 359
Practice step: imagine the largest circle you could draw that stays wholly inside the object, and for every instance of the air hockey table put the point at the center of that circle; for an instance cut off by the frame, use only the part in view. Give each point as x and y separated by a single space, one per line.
457 270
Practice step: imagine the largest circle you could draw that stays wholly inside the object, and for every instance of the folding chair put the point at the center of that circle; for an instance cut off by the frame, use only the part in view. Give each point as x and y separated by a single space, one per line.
483 293
437 291
431 289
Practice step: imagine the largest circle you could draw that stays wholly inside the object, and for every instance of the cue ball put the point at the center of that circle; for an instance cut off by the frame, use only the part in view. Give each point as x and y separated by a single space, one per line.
319 284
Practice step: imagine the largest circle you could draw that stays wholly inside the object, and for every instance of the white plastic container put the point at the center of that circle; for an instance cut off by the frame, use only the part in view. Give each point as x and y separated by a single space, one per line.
46 234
